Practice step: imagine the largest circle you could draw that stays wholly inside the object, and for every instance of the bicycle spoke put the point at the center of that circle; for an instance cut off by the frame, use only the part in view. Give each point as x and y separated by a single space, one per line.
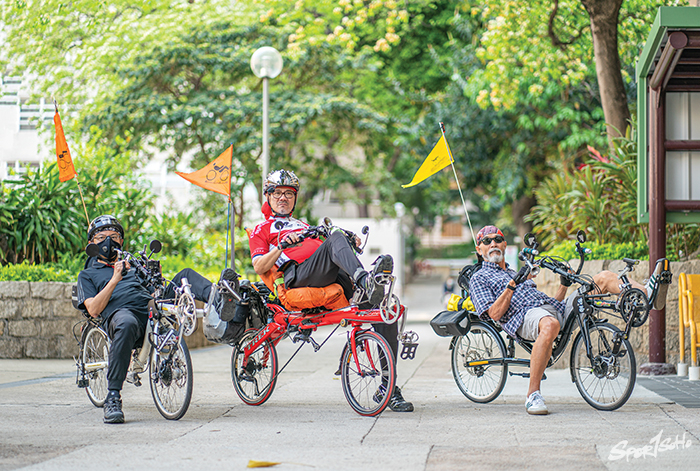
604 380
479 383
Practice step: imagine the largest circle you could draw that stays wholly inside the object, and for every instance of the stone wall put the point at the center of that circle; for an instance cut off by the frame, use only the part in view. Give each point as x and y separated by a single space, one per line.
37 319
549 282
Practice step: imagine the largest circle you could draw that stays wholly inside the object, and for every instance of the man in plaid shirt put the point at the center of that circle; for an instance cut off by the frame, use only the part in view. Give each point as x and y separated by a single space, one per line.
512 299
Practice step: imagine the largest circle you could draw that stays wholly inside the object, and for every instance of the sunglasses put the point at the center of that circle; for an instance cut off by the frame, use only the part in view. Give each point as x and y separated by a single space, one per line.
487 240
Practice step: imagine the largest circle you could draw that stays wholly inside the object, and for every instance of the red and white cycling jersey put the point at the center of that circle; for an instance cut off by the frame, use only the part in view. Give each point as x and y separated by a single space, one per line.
266 236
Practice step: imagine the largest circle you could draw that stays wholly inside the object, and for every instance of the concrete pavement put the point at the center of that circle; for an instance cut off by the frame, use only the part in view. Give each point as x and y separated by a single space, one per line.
47 423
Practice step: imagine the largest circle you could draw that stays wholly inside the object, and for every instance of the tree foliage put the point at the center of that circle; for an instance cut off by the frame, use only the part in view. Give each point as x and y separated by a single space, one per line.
356 108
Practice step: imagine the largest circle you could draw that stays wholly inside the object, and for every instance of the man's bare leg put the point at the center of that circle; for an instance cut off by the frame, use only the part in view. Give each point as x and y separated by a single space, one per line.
609 283
542 351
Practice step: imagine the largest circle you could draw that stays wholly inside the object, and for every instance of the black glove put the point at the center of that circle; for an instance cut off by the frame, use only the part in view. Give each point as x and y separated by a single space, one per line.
564 280
522 275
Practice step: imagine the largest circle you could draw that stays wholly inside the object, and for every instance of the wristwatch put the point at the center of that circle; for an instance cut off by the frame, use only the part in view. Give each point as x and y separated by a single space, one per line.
510 287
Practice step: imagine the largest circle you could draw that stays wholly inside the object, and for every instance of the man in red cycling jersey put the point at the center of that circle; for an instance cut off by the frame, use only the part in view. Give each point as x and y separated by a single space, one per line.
315 263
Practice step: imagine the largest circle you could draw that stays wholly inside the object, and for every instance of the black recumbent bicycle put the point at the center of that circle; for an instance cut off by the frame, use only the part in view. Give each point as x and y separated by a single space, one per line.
164 355
602 365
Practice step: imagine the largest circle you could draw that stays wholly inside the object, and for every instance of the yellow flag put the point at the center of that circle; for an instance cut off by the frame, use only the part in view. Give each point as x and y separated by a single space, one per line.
439 158
216 176
66 170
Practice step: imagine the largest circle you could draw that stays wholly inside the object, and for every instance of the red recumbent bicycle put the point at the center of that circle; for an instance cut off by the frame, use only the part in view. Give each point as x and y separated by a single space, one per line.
367 366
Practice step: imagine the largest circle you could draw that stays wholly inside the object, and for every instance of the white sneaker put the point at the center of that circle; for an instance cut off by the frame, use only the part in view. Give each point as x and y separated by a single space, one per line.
658 283
535 404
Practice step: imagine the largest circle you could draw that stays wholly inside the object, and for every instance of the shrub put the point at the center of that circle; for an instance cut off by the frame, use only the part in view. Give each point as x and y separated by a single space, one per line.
600 198
27 272
567 250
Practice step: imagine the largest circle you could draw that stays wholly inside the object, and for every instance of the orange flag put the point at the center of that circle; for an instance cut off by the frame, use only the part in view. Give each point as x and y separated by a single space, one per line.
66 170
216 176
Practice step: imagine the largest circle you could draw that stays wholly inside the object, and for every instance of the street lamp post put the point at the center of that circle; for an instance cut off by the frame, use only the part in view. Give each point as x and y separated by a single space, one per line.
266 63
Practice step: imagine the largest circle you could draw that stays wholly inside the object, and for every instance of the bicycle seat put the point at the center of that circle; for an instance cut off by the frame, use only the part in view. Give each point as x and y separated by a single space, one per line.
330 297
74 301
630 262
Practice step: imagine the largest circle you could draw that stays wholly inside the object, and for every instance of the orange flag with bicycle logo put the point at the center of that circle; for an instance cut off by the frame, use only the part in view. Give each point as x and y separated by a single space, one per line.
66 170
216 176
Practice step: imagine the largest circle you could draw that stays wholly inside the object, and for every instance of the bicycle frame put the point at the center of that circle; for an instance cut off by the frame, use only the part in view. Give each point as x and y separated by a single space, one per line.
283 321
581 320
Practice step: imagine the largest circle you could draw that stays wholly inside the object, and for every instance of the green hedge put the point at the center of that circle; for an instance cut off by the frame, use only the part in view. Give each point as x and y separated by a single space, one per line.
567 250
26 272
449 251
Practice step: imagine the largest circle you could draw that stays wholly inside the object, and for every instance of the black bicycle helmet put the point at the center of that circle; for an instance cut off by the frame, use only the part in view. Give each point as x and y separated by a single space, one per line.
105 222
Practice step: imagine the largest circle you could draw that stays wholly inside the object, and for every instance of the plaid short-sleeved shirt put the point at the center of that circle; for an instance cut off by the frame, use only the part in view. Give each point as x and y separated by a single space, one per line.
487 284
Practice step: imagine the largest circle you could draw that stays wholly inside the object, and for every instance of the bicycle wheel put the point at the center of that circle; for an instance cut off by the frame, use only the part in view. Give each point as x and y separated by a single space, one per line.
479 383
95 358
254 378
607 381
368 388
171 379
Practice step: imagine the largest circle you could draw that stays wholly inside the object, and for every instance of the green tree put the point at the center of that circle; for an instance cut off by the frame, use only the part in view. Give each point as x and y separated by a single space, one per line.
529 46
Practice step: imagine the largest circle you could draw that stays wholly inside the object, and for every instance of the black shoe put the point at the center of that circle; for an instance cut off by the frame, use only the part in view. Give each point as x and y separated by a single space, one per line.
227 302
374 292
113 410
379 394
398 404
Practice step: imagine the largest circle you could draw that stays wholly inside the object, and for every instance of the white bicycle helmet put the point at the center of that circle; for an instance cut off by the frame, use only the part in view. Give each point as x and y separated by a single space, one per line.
277 178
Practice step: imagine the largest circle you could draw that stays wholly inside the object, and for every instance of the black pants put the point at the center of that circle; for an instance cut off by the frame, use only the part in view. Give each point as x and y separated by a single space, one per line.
334 261
201 287
391 333
126 330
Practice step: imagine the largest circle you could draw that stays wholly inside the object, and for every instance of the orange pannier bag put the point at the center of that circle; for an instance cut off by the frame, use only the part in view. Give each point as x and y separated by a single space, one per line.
295 299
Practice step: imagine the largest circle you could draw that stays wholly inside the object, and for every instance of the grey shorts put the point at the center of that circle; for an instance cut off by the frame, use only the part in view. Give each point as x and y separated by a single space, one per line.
530 328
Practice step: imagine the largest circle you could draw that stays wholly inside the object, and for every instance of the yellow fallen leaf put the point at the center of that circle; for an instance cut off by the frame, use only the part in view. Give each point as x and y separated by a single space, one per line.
261 464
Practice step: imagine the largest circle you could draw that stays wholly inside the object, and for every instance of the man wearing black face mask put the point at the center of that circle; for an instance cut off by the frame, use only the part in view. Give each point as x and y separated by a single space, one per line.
121 302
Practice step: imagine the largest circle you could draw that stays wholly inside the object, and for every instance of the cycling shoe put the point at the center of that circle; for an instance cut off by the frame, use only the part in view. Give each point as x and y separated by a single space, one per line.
227 303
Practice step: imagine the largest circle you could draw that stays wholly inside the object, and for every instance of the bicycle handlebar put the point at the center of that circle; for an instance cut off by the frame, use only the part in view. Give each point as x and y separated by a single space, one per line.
324 230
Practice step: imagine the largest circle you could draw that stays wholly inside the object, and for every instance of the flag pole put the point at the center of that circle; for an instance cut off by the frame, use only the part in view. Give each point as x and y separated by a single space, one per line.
233 213
464 205
82 199
228 212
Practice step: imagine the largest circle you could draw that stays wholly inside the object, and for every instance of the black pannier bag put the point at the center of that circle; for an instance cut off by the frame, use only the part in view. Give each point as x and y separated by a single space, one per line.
451 323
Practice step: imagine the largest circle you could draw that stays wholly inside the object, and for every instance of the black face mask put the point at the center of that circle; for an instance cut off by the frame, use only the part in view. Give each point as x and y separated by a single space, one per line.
108 250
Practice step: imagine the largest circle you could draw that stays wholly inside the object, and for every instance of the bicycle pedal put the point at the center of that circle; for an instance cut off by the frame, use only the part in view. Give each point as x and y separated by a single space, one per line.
523 375
83 383
134 379
408 352
665 278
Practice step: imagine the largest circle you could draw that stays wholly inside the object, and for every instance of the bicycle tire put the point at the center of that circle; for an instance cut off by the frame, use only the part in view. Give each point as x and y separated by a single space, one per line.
369 390
95 351
171 379
255 380
603 385
480 383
